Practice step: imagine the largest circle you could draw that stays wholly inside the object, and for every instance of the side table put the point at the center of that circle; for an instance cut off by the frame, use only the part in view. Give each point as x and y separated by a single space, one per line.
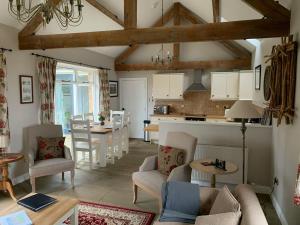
197 165
5 183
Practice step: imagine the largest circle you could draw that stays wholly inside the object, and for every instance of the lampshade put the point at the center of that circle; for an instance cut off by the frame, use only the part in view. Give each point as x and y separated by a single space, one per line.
242 109
3 141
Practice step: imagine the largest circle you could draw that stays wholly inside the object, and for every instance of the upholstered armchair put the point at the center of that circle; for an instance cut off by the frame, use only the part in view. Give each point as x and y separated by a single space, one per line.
150 179
47 167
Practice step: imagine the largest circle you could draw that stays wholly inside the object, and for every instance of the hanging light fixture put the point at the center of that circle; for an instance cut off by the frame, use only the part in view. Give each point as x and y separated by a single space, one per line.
67 12
162 56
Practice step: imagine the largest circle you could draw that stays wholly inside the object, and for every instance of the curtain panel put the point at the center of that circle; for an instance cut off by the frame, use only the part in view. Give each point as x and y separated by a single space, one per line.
4 124
104 93
47 74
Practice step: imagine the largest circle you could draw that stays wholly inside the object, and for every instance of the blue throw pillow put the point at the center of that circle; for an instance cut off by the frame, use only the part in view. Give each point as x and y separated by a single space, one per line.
181 202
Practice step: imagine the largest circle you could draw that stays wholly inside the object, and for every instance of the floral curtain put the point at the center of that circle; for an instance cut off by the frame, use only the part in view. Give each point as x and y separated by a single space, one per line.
297 192
104 93
4 125
47 73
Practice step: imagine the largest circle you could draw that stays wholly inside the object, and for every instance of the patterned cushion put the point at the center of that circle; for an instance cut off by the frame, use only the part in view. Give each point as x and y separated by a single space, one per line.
169 158
225 202
50 148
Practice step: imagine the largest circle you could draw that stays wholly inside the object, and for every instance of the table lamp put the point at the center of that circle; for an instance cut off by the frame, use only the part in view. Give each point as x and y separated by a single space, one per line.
243 109
3 143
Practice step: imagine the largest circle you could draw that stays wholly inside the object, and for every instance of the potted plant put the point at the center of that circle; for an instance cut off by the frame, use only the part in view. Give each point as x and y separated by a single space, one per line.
101 118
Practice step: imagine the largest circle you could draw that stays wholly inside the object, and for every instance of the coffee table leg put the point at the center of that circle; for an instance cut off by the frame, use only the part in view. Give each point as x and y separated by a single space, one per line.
74 217
213 181
6 183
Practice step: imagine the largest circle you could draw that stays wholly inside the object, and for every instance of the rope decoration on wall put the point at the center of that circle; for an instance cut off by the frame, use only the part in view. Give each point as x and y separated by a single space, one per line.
283 80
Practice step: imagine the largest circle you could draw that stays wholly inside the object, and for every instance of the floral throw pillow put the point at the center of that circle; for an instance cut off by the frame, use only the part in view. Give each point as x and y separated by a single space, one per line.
169 158
50 148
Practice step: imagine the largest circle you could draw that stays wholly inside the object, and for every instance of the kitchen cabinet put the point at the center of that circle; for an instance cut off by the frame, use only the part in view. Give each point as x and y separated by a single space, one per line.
169 86
225 86
246 85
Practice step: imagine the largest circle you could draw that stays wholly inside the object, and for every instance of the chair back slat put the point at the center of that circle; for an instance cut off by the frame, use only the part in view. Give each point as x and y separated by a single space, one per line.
89 117
81 133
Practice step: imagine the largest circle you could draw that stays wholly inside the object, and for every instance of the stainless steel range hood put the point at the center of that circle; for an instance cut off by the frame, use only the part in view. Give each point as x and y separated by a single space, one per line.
197 85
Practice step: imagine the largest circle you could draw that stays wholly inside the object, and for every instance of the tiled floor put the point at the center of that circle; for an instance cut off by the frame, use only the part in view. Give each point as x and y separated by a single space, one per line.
111 185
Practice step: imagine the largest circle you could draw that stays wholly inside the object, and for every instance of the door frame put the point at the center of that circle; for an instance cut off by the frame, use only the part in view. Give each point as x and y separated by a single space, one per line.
145 80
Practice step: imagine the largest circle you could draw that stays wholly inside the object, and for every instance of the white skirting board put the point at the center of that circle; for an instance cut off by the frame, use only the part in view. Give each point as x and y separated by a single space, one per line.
279 211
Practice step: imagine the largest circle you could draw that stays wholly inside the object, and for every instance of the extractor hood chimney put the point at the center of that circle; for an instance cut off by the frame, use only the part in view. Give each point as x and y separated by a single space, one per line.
197 85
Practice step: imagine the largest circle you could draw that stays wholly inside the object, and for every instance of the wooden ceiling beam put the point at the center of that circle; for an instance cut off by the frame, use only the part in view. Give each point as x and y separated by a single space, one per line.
166 18
33 25
216 11
262 28
237 49
176 22
130 14
179 65
105 11
270 9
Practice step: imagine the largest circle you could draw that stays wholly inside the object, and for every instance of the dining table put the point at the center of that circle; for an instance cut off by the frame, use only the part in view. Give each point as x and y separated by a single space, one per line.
102 133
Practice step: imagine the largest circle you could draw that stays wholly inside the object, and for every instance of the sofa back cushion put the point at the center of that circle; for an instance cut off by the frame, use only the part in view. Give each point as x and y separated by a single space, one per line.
169 158
252 213
225 202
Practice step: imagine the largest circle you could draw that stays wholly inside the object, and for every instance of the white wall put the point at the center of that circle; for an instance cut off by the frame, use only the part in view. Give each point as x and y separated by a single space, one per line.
22 63
286 142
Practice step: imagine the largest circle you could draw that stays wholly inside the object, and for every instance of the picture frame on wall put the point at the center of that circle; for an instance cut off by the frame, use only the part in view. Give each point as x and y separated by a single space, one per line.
26 89
257 77
113 88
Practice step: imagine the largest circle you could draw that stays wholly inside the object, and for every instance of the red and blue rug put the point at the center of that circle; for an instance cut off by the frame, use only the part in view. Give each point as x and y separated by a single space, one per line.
100 214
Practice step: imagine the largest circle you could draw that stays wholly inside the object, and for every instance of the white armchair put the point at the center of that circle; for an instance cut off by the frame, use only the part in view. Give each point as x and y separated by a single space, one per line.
150 179
40 168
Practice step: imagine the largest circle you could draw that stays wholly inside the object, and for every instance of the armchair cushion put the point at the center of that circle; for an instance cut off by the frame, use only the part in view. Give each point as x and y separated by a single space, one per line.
150 163
50 148
51 166
225 202
169 158
150 180
231 218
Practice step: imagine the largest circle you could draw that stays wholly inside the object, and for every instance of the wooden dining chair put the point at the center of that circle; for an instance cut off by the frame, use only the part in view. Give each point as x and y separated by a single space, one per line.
89 117
114 145
82 140
77 117
125 133
119 116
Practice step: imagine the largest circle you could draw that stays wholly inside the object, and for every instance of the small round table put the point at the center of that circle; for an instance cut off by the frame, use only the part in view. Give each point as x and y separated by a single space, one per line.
5 183
211 169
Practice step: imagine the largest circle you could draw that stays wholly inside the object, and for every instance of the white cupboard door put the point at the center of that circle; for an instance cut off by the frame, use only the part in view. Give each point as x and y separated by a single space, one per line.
176 86
232 85
218 88
246 85
161 87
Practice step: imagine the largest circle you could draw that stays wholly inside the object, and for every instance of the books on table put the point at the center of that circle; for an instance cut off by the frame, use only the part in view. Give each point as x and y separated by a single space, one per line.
18 218
36 202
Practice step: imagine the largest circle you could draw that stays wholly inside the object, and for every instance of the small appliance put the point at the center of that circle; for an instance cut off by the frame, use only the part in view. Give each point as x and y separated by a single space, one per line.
162 109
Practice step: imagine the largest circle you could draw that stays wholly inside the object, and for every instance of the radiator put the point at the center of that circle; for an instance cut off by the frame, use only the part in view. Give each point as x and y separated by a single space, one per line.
231 154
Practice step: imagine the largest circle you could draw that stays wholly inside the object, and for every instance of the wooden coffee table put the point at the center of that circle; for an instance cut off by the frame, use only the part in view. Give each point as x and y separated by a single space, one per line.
230 168
5 183
54 214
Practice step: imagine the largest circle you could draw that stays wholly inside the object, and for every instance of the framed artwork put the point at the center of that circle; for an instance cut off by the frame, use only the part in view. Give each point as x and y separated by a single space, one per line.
257 77
113 88
26 89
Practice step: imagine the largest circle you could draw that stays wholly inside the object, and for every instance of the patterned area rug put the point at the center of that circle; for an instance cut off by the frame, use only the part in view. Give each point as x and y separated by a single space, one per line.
99 214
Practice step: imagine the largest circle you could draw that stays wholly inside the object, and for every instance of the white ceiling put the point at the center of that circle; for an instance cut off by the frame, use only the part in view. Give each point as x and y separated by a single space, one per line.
94 20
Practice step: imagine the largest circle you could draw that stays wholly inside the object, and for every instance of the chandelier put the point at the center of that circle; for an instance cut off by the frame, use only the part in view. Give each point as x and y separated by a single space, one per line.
162 57
67 12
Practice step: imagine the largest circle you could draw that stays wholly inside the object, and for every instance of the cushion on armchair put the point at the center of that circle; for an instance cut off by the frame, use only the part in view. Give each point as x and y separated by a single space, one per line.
225 202
169 158
231 218
50 148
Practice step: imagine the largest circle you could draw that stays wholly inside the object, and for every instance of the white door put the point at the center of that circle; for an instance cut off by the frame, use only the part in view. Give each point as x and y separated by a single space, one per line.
133 98
218 86
161 86
176 86
232 85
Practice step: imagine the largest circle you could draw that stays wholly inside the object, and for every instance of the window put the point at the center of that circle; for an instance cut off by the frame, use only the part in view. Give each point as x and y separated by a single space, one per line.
76 91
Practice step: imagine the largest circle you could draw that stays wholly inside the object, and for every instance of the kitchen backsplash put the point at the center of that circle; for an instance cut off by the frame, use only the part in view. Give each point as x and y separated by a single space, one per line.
197 103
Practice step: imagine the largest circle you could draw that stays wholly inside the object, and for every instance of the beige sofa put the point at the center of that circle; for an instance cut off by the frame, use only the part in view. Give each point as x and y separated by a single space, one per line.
252 213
